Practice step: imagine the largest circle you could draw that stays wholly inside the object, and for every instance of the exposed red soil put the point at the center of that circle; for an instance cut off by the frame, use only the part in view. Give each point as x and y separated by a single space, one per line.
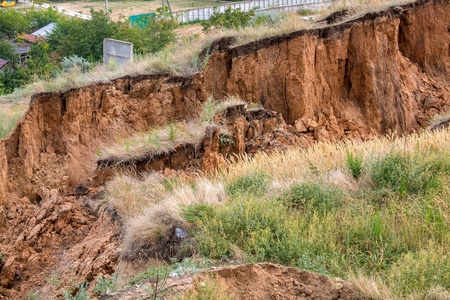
383 72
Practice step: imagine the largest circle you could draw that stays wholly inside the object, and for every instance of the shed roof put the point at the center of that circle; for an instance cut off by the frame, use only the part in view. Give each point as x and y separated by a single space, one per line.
46 30
21 48
32 38
3 63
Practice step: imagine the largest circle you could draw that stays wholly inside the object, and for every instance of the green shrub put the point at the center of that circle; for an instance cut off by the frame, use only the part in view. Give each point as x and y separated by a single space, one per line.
43 17
13 22
230 18
314 196
81 292
253 184
354 164
404 173
260 227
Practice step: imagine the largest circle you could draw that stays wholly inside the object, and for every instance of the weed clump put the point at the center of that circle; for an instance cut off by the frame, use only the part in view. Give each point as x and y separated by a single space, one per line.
314 196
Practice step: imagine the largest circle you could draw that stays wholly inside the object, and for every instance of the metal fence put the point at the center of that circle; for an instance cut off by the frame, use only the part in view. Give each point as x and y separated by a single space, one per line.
260 5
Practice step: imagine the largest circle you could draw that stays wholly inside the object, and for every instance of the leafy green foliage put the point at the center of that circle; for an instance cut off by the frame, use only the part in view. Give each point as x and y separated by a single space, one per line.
83 37
13 22
260 227
354 164
7 52
157 33
77 293
404 173
252 184
43 17
41 62
231 18
209 109
197 212
172 131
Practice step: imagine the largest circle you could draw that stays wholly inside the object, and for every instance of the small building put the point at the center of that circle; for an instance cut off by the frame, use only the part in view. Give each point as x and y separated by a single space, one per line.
21 50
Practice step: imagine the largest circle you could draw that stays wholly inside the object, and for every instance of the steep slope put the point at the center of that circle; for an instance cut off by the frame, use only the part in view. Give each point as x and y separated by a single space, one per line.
384 72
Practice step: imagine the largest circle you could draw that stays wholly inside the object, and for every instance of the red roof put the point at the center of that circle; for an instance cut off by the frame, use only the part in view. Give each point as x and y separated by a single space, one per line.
32 38
3 63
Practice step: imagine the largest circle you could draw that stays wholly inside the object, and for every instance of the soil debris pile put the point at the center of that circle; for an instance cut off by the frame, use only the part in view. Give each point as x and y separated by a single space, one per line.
63 238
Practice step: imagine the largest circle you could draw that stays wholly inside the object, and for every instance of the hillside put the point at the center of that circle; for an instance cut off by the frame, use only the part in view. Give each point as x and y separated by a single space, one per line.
96 180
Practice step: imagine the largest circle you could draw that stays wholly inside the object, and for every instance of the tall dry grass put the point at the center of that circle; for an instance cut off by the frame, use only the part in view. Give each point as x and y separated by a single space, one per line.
297 164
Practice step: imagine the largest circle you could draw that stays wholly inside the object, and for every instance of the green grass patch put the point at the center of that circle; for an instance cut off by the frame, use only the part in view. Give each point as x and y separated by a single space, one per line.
314 196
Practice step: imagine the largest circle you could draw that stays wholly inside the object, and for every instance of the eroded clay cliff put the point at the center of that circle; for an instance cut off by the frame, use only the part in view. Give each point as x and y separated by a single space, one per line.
384 72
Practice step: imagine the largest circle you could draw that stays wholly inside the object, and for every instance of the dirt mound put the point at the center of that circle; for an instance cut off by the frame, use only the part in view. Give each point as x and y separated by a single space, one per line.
253 281
270 281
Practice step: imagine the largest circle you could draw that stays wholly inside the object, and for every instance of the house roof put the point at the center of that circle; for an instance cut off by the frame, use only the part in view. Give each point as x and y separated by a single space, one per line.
3 63
21 48
32 38
46 30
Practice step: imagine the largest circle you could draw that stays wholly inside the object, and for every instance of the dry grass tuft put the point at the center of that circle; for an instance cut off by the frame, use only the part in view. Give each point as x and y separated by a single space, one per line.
370 288
8 119
159 217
